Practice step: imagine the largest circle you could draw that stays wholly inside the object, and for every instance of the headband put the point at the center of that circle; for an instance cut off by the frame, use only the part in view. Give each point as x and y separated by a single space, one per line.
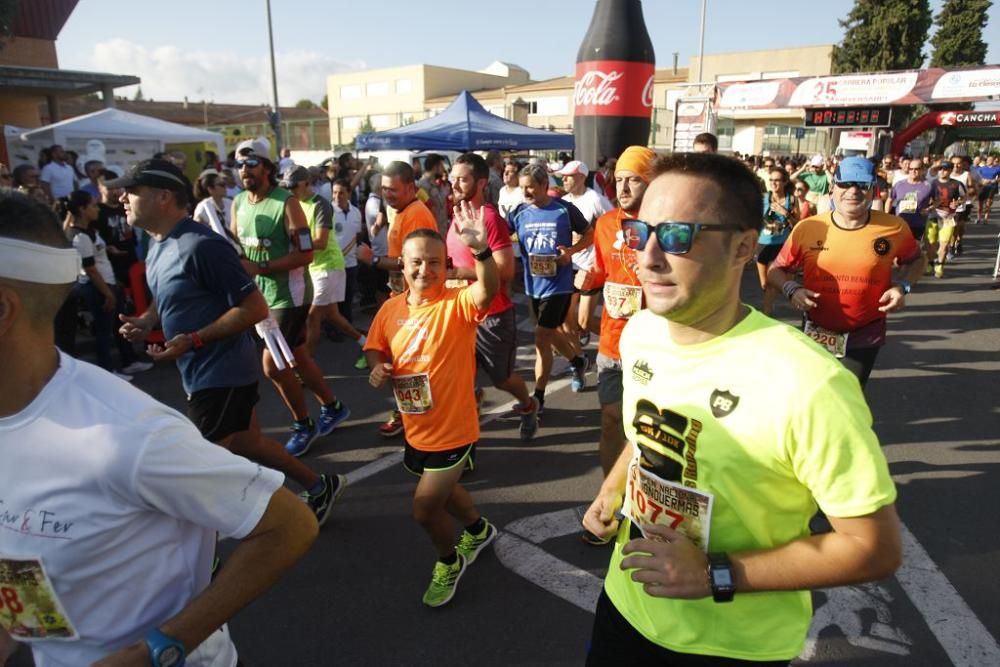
36 263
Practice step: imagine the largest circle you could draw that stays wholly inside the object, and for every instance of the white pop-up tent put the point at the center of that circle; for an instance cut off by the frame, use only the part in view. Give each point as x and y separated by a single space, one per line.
126 137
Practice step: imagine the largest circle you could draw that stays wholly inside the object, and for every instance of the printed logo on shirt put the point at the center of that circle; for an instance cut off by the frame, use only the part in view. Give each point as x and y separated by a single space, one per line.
881 247
667 442
818 246
641 372
723 403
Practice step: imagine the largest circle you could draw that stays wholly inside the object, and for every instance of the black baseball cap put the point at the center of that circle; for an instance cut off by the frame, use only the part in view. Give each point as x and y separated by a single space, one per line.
154 173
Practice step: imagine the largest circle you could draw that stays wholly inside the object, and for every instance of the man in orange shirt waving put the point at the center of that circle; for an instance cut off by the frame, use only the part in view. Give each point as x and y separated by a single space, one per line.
423 342
847 257
616 271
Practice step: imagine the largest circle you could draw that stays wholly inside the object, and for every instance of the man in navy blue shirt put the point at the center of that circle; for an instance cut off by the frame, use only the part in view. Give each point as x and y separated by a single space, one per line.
206 304
544 228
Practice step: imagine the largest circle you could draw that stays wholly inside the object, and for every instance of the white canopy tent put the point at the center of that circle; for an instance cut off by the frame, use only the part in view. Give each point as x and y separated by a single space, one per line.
114 136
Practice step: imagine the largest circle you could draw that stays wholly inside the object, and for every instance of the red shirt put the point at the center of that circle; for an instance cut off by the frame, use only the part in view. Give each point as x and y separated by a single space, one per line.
497 237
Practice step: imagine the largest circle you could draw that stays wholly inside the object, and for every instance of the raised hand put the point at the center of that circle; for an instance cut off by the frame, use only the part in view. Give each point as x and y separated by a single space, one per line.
471 226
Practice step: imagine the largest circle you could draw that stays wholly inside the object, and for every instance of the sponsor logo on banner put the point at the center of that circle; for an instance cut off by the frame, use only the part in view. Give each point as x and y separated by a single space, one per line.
611 88
969 83
857 89
757 94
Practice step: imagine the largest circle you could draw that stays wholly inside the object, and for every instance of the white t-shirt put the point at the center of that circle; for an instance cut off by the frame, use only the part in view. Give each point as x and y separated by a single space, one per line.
508 200
98 250
592 205
120 498
380 243
206 213
284 164
347 226
60 177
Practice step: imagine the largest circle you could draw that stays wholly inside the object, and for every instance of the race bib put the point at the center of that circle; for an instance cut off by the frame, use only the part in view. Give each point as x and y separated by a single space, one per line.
397 283
622 301
835 343
543 266
908 205
30 610
413 393
654 500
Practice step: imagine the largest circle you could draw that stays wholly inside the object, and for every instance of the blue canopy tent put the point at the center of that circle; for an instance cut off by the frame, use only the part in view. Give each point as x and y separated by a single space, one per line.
464 126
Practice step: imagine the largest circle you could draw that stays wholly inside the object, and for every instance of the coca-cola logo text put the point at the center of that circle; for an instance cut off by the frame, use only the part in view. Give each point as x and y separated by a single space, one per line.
647 94
595 89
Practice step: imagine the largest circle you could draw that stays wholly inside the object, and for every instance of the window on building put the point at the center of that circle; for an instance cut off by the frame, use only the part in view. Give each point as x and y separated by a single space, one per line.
378 89
533 107
351 92
381 120
350 122
404 86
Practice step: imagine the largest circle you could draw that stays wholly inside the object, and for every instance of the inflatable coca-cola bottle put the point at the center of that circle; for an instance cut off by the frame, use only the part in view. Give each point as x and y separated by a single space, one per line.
613 95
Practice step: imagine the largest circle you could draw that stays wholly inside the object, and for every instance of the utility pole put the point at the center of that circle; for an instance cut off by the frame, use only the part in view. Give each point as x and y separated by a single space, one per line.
276 113
701 43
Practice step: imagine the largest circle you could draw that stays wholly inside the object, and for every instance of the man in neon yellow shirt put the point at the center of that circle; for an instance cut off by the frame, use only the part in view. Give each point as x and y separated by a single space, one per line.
714 558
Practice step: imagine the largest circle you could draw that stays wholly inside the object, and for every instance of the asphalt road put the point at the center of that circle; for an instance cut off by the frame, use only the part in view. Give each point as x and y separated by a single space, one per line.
355 598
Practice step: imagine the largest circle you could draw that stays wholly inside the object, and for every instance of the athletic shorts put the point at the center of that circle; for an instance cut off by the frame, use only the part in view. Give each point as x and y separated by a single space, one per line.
988 191
940 230
767 253
418 462
609 380
222 411
292 322
962 216
329 287
550 312
496 345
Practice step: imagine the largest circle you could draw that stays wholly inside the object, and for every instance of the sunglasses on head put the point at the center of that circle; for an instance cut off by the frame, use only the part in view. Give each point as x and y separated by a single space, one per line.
864 187
248 162
674 238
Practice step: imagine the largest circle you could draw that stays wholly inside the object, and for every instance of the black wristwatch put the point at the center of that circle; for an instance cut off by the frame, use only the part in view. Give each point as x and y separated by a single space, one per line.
483 254
720 577
905 286
262 267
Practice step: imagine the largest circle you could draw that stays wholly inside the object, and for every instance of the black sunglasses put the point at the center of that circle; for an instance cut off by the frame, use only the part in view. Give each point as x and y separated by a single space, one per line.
864 187
249 162
674 238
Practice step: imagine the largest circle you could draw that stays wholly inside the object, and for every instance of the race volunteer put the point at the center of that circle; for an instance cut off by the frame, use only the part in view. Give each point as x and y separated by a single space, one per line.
714 559
617 275
112 508
847 257
422 342
544 228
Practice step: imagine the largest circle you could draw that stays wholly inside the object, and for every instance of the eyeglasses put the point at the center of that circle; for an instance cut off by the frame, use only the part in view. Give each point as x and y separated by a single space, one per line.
800 189
674 238
914 168
250 162
864 187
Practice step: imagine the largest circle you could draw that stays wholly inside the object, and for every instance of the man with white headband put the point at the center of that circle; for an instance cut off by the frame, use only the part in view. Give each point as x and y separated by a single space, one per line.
115 498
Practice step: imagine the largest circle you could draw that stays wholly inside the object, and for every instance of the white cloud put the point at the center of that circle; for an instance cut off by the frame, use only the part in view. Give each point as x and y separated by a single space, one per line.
170 74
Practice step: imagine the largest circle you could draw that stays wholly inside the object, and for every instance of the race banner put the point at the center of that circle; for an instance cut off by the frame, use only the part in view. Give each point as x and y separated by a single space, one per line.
924 86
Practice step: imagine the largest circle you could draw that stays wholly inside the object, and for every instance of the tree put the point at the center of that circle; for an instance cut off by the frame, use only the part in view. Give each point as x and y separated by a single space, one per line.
883 35
304 104
959 37
138 95
325 102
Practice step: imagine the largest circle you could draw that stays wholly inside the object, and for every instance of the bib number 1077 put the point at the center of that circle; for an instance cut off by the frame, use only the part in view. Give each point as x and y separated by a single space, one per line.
646 507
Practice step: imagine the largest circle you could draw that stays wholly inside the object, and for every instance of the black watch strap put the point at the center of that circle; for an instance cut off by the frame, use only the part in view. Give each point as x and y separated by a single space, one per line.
720 577
483 254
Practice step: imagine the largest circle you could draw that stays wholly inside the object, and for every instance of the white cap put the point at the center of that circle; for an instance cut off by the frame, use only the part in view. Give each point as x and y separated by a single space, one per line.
258 146
574 167
816 161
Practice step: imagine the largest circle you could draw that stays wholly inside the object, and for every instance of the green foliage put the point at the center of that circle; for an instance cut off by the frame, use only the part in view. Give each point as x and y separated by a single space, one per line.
959 37
366 126
304 104
325 102
883 35
138 95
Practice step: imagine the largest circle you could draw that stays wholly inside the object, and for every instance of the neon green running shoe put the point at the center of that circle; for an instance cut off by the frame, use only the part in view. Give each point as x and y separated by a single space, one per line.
444 581
362 362
470 545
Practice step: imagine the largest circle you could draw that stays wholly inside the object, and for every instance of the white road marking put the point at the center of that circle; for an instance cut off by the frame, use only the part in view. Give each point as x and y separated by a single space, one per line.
961 634
848 608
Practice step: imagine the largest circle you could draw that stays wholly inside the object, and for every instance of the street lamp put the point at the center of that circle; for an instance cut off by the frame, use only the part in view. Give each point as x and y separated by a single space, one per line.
276 116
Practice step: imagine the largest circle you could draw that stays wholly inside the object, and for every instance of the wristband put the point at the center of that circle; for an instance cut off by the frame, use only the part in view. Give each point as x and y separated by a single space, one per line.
375 262
483 254
196 342
262 267
789 288
164 650
905 286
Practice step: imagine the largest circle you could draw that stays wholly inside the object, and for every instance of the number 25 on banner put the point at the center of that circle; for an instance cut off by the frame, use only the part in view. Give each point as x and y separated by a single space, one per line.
825 91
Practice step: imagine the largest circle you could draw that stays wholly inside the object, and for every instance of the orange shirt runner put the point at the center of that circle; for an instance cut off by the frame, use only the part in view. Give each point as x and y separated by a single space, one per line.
617 273
850 268
414 215
432 349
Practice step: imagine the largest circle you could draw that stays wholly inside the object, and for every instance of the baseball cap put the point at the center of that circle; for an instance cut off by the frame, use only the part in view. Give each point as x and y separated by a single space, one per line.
574 167
816 161
944 164
294 176
153 173
855 170
259 147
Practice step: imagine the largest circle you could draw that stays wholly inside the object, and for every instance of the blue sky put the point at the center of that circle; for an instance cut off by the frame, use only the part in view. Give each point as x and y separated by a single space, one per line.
218 50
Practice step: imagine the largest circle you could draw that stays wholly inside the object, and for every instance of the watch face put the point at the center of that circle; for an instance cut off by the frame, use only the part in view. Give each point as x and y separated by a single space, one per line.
722 578
169 657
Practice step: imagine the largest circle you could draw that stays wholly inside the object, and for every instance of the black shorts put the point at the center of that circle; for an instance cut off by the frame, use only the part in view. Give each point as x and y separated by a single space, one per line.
496 345
418 461
767 253
222 411
550 312
609 380
292 322
615 642
988 191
